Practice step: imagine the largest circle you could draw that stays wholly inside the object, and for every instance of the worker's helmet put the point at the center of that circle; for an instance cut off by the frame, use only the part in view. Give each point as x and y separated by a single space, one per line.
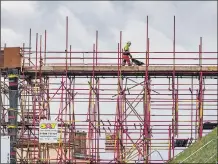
129 43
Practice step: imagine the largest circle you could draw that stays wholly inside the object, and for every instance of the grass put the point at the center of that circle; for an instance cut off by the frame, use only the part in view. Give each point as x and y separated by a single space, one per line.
207 154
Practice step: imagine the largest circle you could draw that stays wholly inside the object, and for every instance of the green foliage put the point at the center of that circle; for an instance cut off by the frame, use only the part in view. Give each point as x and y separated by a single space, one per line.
207 154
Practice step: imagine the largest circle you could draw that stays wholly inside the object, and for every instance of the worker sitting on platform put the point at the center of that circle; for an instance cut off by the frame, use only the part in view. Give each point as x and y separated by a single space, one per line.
127 55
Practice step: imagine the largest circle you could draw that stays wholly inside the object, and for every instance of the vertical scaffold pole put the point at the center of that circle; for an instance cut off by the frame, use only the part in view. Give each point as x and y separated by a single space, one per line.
173 86
200 107
13 111
1 109
170 143
29 46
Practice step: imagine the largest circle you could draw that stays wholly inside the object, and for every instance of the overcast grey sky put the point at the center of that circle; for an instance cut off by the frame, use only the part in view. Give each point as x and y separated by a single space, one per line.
193 20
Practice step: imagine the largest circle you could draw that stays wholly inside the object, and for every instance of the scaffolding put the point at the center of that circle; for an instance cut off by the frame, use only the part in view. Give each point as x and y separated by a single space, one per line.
105 112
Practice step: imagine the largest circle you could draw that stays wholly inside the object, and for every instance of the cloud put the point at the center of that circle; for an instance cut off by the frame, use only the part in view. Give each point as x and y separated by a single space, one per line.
10 33
191 21
20 9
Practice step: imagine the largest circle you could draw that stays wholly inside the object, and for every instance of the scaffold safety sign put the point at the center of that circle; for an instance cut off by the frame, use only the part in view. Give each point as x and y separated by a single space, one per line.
48 131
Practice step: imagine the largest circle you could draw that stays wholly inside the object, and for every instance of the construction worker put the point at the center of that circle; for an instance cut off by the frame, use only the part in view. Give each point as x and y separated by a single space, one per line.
127 55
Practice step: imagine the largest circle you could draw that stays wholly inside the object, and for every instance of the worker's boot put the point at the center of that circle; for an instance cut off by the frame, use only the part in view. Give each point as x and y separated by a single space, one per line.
123 63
